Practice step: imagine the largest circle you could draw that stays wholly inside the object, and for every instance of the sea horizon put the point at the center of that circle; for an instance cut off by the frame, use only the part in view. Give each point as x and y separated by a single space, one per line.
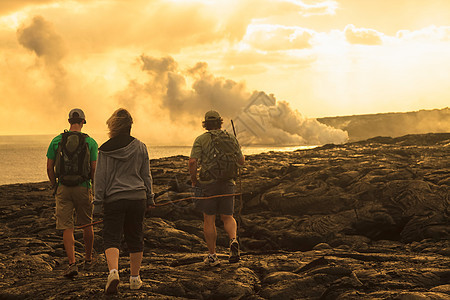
24 156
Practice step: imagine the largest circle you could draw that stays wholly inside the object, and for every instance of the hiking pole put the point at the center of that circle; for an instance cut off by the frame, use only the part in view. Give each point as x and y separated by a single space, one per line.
234 130
90 224
241 204
166 203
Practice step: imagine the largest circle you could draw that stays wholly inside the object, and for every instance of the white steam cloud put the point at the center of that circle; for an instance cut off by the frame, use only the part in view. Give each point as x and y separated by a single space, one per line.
266 121
259 118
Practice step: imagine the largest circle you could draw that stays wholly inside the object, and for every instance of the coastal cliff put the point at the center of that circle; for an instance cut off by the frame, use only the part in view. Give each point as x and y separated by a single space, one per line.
361 127
362 220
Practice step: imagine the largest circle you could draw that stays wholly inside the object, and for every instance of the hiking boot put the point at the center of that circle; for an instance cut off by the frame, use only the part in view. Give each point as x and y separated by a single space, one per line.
87 266
135 283
112 283
211 260
234 251
71 271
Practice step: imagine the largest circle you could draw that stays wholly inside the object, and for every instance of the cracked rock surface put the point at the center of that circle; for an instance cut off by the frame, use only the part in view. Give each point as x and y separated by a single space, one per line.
363 220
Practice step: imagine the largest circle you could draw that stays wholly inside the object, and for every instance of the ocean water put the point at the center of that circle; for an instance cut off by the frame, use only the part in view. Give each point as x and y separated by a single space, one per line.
23 158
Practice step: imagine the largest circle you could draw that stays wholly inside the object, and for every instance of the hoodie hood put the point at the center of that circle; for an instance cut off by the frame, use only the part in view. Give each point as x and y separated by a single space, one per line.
124 153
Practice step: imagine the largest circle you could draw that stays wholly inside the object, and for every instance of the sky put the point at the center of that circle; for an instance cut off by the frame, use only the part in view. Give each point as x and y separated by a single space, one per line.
170 61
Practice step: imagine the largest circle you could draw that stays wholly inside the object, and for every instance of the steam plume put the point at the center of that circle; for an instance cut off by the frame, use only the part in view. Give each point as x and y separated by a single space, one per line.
260 118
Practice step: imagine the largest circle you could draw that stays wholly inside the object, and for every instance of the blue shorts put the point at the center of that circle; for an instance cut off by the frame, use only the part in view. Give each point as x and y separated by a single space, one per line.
220 205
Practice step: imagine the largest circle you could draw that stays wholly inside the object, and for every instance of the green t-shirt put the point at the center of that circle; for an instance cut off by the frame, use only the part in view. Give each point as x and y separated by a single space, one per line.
201 144
93 150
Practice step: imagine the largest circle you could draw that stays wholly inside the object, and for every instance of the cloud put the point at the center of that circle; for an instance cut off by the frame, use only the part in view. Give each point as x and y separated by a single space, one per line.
164 26
431 33
362 36
40 38
8 6
320 8
302 8
275 37
168 83
243 13
167 88
101 26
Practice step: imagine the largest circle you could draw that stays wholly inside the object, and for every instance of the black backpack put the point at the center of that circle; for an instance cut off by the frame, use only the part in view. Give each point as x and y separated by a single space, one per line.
72 163
220 159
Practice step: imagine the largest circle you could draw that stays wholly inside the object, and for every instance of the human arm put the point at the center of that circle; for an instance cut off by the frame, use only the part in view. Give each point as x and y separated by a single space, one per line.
196 154
241 158
99 184
193 170
93 151
146 175
51 171
93 168
241 161
51 159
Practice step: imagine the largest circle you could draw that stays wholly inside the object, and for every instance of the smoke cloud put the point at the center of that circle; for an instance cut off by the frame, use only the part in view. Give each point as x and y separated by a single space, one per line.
41 38
259 118
168 85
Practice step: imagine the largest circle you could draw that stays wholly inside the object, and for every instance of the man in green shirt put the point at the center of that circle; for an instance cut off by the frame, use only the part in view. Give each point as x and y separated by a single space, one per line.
74 198
210 185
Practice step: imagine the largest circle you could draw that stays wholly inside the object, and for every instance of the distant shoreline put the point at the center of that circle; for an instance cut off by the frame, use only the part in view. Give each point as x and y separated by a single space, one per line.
36 163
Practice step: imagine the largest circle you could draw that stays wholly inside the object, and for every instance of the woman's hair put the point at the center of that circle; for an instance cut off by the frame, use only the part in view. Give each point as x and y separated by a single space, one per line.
119 123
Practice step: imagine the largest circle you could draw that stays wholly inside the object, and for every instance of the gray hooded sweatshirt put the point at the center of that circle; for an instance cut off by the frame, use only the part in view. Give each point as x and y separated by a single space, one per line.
123 173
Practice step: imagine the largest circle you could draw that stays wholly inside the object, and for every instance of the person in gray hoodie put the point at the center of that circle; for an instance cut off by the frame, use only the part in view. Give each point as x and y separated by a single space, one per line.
123 190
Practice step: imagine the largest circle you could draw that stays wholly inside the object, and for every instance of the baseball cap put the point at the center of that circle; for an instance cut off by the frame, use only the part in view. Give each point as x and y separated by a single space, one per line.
212 115
77 113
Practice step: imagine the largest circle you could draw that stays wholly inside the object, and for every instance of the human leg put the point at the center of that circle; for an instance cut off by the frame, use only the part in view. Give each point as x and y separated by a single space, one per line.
64 219
135 266
134 234
210 232
88 237
113 221
112 234
69 245
135 263
209 209
230 226
226 209
82 199
112 258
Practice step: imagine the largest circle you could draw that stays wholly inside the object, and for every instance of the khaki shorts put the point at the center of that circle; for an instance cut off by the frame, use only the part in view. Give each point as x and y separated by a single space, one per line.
70 199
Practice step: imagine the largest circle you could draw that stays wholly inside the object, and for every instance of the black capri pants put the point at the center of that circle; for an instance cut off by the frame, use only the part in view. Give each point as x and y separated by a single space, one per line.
124 217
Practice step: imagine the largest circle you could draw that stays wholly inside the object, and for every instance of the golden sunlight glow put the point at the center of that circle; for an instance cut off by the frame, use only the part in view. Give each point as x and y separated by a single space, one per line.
168 60
12 21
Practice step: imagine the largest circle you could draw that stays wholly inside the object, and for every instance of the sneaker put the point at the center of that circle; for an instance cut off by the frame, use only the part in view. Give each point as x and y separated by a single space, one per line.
234 251
211 260
71 271
112 283
135 282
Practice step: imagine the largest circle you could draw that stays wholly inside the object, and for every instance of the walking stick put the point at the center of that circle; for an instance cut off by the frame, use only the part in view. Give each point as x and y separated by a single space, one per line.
166 203
241 203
